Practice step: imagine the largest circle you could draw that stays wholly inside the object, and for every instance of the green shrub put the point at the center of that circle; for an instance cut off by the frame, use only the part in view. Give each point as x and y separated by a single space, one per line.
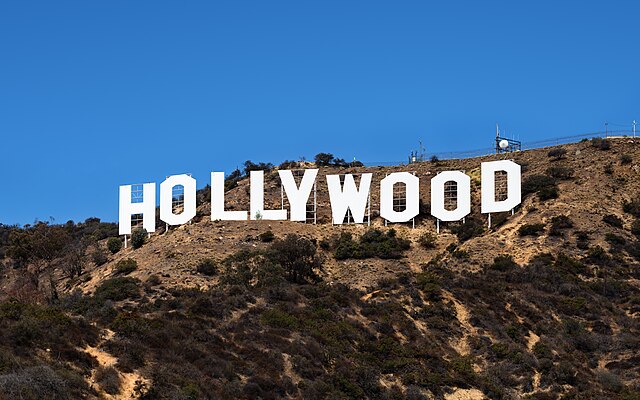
266 237
279 319
427 240
557 153
582 240
598 255
373 243
298 257
114 244
558 223
207 267
599 143
535 183
430 285
472 227
608 168
635 227
530 229
560 172
612 220
632 207
117 289
614 239
138 237
126 266
548 193
626 159
503 262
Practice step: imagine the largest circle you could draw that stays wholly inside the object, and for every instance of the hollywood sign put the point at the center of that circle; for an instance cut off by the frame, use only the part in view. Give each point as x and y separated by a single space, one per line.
343 197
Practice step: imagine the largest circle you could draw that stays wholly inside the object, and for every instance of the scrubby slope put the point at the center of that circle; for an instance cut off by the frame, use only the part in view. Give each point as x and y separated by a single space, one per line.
545 304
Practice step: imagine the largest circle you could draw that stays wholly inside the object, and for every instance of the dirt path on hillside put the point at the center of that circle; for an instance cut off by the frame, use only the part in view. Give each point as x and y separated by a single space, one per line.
132 384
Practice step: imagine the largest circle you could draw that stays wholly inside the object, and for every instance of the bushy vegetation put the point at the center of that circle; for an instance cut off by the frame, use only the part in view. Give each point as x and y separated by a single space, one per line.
117 289
599 143
468 229
560 172
625 159
531 229
557 153
612 220
543 185
560 223
267 237
207 267
329 160
138 238
114 244
373 243
632 207
126 266
427 240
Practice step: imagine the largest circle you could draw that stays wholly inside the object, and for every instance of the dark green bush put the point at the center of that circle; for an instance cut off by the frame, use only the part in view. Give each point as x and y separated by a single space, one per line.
560 172
207 267
427 240
298 257
608 168
373 243
598 255
430 285
599 143
632 207
503 262
615 240
530 229
535 183
472 227
114 244
558 223
266 237
138 237
626 159
117 289
612 220
557 153
126 266
548 193
582 240
635 227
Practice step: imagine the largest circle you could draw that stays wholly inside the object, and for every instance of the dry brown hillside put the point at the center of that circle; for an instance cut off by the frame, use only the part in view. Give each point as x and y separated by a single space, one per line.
586 198
543 305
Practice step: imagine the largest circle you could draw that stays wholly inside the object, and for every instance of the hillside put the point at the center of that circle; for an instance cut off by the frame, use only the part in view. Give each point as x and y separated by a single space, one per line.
543 305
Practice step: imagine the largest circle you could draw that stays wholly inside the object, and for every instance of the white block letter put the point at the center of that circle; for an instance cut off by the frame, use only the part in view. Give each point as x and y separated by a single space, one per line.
412 184
166 199
514 193
298 197
463 196
217 201
147 208
349 197
257 200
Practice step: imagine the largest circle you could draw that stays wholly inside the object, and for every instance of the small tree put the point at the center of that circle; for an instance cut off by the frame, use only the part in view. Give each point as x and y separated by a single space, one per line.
324 159
297 256
114 245
138 237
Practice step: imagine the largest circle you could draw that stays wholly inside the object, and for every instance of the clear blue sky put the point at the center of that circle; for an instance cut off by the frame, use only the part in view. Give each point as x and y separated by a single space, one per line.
98 94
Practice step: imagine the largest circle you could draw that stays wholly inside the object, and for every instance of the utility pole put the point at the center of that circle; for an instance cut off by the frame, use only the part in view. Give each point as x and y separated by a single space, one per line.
606 129
634 128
